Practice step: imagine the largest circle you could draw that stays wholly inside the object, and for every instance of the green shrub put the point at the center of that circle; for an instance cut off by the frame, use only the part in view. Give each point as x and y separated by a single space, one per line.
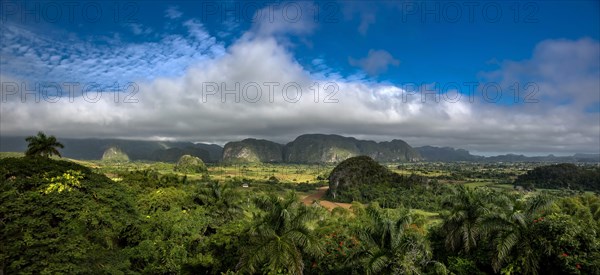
60 217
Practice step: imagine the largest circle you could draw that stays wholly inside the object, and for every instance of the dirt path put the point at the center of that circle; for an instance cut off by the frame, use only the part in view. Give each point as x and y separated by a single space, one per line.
308 200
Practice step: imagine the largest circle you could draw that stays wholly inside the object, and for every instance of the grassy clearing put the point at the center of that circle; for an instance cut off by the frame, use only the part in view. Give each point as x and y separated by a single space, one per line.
425 213
11 155
294 173
478 184
502 186
432 218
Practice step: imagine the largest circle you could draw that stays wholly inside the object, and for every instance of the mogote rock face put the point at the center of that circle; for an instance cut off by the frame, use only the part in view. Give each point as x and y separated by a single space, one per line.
318 148
389 151
252 150
115 154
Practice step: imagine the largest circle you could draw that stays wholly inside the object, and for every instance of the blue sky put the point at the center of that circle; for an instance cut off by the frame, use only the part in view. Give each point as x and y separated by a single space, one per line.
380 55
419 35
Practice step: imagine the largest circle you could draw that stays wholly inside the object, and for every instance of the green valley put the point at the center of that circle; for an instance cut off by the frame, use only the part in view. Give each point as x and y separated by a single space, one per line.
356 216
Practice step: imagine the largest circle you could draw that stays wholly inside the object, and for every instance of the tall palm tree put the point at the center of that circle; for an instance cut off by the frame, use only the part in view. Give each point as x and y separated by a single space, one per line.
280 236
514 234
42 145
392 245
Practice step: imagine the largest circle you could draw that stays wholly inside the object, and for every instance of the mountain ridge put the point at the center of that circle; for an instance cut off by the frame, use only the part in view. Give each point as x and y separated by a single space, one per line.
307 148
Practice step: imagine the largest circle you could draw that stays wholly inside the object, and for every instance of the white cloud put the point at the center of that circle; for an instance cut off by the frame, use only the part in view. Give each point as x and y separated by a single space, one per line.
364 11
37 57
139 29
564 71
230 25
197 30
174 106
285 18
366 20
376 62
173 12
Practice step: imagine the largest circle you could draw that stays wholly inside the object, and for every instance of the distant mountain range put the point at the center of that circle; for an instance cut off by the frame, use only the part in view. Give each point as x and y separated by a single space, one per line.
548 158
446 154
309 148
93 149
318 148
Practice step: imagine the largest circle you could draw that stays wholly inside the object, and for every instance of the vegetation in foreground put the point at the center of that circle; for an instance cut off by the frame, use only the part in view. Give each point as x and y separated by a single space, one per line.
58 216
61 217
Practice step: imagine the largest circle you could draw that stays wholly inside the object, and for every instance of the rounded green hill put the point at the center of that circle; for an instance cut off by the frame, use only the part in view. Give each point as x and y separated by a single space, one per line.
356 171
114 154
190 164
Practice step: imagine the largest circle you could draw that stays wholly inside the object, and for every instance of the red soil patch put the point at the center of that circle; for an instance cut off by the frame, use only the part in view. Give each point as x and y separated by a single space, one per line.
308 200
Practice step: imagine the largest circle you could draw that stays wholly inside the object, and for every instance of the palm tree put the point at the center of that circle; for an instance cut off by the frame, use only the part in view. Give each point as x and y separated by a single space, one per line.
465 223
224 201
42 145
392 245
280 236
514 234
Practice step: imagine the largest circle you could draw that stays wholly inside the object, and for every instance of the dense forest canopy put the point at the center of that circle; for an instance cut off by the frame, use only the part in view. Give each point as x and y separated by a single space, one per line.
565 175
60 217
